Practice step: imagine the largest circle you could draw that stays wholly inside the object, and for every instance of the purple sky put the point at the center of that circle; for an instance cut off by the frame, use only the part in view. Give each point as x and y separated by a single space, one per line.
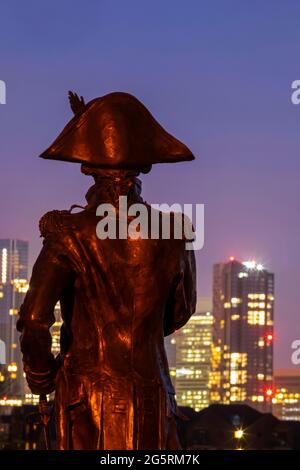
217 74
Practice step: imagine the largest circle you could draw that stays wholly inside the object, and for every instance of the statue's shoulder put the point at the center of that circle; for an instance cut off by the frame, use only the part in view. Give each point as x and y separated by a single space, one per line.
55 221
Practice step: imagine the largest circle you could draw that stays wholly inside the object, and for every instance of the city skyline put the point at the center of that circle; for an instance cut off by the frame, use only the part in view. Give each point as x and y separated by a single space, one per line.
218 76
231 258
243 295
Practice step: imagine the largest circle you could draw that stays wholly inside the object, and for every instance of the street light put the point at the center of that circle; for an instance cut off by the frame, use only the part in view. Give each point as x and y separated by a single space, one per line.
238 433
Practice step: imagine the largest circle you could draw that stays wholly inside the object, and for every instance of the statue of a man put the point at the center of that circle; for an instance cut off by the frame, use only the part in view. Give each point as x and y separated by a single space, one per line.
119 297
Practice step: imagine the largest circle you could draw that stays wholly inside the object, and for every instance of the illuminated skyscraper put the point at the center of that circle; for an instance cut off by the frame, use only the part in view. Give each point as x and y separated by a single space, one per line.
13 287
193 361
243 309
189 356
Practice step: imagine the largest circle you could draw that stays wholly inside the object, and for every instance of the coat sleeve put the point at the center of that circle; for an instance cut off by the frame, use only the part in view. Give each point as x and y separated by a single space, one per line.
182 301
50 276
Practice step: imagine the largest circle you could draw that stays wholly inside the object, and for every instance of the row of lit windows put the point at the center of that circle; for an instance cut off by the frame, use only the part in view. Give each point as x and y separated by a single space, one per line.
10 402
259 398
256 304
256 317
260 296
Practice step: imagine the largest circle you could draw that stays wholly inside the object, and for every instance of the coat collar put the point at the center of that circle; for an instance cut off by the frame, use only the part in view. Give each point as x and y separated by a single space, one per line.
108 190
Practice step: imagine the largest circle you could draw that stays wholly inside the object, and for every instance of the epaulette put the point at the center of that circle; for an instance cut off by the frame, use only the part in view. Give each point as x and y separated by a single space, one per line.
53 221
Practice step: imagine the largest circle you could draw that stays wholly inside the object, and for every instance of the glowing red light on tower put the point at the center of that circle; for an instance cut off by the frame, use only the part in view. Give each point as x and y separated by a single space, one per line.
231 258
270 337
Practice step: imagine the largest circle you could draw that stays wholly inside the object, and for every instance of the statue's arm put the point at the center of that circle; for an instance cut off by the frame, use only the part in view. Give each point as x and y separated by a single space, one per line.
50 277
182 302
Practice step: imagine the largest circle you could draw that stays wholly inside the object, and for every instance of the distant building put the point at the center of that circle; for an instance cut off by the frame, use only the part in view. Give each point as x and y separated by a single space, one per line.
286 400
189 356
13 287
193 361
242 356
19 426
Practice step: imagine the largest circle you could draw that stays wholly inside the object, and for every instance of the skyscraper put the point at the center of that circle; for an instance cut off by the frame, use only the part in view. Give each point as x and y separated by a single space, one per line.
243 311
13 287
189 356
193 361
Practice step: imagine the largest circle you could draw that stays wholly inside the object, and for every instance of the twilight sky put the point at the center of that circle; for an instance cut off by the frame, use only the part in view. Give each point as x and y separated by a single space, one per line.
217 74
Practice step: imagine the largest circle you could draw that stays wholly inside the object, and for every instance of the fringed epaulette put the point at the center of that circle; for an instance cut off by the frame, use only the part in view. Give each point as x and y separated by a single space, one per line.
53 221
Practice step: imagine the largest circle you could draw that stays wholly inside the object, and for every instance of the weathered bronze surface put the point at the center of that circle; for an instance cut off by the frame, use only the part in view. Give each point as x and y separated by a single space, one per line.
118 300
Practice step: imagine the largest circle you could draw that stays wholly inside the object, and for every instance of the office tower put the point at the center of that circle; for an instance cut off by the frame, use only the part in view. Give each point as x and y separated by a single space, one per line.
13 287
243 309
204 304
193 361
286 400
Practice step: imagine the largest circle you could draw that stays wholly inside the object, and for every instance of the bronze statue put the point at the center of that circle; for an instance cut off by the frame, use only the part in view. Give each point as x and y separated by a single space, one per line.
118 297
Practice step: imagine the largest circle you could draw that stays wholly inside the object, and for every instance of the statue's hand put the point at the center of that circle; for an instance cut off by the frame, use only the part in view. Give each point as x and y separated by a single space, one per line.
41 383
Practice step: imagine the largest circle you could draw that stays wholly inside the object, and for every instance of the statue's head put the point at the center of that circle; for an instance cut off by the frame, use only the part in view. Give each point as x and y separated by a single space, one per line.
115 132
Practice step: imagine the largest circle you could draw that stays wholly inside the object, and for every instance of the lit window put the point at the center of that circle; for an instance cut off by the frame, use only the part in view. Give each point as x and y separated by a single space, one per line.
12 367
235 317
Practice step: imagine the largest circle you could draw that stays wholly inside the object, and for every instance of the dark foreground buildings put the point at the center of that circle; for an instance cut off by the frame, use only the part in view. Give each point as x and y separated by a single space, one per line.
237 427
218 427
20 428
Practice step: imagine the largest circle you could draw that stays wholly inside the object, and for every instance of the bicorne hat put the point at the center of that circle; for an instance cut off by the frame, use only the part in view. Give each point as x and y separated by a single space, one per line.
116 131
